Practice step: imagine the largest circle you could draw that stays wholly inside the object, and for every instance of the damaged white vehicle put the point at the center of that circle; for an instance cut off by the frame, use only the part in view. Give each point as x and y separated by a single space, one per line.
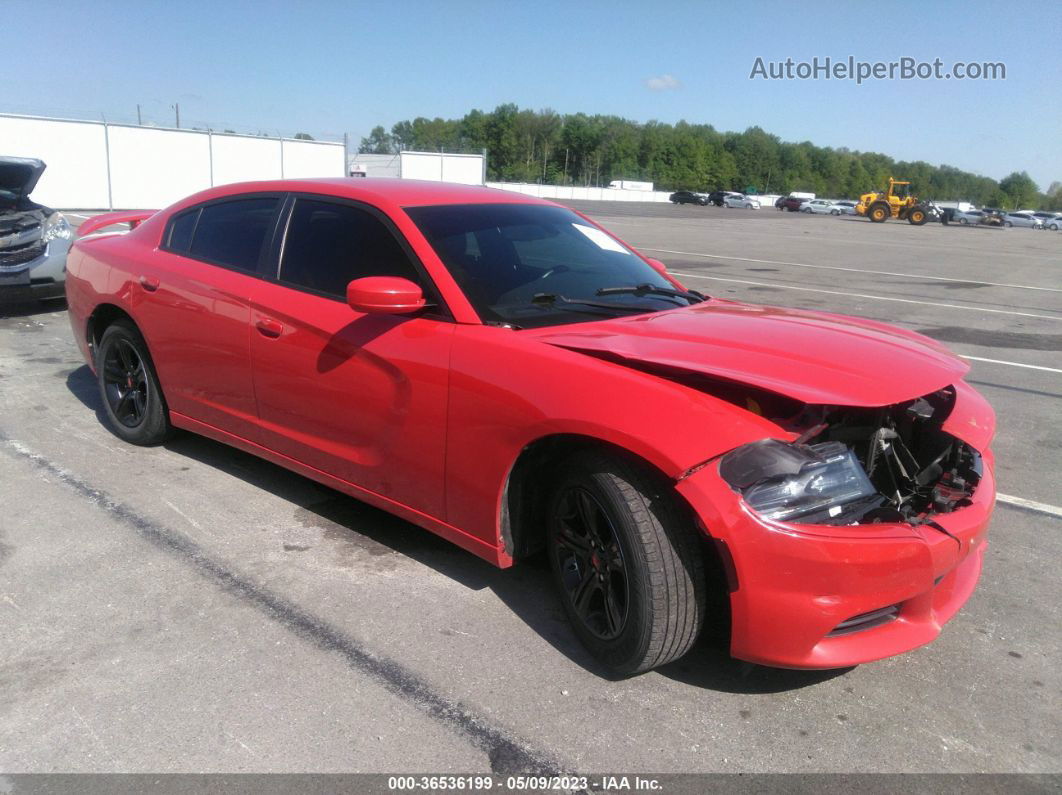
33 239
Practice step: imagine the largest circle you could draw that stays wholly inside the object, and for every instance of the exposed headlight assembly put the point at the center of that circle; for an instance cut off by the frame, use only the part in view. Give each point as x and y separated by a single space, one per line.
790 481
56 226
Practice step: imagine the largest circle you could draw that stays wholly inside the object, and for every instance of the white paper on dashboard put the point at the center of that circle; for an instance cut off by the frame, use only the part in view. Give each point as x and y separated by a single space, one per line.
600 239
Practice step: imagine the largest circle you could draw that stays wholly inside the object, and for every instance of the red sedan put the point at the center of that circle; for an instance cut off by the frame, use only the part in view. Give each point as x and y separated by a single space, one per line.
503 372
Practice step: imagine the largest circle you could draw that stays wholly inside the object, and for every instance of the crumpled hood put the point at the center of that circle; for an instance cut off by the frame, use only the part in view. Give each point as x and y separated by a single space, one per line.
18 176
813 357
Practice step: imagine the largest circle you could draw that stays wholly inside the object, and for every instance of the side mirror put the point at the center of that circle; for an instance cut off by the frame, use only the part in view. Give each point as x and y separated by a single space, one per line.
658 266
384 295
661 268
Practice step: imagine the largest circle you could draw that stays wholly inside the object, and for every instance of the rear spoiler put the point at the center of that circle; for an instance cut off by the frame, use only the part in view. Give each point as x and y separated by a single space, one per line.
98 222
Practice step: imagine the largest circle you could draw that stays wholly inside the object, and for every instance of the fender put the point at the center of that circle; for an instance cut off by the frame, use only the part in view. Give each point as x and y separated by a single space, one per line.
496 411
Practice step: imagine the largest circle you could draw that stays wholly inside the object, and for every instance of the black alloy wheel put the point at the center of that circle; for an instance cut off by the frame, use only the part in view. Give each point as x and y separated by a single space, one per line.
132 398
592 568
626 560
125 383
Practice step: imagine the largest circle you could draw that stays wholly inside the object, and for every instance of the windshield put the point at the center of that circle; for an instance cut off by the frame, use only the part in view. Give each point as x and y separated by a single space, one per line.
530 265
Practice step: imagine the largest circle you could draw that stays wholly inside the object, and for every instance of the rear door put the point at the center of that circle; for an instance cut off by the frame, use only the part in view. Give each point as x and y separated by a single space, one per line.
197 319
361 397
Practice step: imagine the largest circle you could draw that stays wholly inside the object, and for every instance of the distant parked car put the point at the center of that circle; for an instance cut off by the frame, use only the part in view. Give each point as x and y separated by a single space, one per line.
1047 218
34 239
820 207
1022 219
688 197
846 207
741 200
791 203
717 197
967 216
1054 223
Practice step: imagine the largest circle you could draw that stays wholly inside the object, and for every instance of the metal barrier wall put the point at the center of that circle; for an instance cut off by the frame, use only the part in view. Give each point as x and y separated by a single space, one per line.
591 194
96 165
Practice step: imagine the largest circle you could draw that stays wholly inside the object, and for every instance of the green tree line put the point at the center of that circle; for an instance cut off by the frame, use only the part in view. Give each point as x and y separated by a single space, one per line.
543 146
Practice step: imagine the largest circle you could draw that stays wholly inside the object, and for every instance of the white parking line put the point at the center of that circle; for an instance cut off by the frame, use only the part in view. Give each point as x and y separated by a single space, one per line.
870 297
1032 505
855 270
1012 364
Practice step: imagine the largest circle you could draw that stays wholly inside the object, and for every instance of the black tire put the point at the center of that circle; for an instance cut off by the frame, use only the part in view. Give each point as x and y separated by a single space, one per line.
132 399
879 213
917 216
630 576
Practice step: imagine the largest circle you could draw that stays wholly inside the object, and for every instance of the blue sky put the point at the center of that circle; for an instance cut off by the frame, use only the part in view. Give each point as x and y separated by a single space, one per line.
334 67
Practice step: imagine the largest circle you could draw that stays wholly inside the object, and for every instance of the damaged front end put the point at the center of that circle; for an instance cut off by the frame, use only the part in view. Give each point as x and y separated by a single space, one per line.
859 465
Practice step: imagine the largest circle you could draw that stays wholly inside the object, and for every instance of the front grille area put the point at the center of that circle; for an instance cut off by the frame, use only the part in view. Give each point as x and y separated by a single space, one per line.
875 618
21 256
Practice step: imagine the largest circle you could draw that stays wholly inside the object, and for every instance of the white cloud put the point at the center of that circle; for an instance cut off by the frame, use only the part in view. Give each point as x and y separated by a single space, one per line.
663 83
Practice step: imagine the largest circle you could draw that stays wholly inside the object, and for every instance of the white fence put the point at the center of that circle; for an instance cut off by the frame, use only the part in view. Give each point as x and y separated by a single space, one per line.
590 194
432 166
439 167
94 165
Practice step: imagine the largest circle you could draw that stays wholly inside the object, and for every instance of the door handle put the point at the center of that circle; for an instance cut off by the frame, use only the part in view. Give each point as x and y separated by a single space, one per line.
269 328
149 283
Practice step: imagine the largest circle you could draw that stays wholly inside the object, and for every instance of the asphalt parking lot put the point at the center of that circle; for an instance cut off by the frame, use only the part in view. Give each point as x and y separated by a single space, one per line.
192 608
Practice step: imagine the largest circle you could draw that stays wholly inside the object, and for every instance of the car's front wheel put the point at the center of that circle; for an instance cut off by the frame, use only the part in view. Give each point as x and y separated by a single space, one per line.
1008 224
626 561
129 387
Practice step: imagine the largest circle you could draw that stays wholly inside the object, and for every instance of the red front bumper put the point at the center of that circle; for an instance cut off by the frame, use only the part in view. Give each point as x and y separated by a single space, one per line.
792 585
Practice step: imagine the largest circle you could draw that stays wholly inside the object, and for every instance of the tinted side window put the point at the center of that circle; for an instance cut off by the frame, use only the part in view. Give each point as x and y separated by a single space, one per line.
328 245
232 233
181 229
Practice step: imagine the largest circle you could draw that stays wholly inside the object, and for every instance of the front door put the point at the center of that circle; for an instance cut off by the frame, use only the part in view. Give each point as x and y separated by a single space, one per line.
361 397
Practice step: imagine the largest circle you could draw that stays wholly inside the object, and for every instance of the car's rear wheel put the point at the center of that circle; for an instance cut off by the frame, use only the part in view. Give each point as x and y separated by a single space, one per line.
129 387
626 561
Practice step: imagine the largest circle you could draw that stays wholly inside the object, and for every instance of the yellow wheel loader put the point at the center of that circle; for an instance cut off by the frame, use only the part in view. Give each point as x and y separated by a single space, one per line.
896 202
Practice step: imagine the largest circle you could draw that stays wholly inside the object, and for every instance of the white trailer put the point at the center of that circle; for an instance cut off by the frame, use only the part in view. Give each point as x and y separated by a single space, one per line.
629 184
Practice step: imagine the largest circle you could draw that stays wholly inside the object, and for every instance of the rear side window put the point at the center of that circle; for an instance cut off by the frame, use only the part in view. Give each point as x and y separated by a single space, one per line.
181 229
328 245
229 233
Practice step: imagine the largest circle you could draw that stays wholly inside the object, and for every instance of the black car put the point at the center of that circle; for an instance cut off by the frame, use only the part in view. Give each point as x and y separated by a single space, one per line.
716 197
688 197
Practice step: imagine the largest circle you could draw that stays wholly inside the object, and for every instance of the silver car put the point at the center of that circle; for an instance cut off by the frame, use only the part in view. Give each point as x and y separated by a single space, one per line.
33 239
968 216
1052 221
1022 219
741 200
821 207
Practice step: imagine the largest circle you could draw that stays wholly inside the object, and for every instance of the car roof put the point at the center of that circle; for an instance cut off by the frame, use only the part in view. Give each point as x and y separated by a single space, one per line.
377 190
